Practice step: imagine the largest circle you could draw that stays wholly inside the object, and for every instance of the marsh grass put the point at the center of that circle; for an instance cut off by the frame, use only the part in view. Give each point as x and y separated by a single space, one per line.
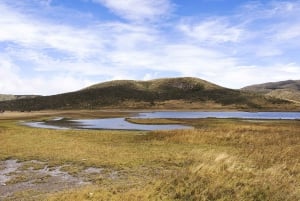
219 160
260 162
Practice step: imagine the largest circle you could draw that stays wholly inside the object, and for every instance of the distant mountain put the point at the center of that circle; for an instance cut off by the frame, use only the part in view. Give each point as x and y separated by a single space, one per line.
287 90
169 93
6 97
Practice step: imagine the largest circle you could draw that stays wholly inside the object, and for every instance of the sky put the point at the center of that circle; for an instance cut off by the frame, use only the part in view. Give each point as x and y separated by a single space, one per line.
56 46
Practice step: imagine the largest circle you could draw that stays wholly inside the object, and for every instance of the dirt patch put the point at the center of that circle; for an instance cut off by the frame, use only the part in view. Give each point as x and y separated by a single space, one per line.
37 176
6 168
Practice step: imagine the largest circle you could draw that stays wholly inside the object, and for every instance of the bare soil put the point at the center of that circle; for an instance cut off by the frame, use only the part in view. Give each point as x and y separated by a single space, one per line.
37 176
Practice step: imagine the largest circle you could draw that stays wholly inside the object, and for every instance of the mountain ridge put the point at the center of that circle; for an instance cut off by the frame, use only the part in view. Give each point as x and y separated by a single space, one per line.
287 90
166 93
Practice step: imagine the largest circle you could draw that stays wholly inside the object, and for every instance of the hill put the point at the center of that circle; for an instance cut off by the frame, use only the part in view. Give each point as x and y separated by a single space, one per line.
184 83
170 93
6 97
287 90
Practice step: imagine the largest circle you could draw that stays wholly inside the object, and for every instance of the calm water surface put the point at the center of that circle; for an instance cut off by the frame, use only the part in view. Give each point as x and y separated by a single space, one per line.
122 124
240 115
41 124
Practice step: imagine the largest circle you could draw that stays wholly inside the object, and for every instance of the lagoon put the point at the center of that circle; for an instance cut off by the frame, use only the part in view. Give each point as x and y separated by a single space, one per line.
239 115
122 124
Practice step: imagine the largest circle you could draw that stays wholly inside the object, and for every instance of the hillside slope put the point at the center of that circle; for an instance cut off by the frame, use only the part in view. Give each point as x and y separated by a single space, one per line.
184 83
7 97
287 90
172 93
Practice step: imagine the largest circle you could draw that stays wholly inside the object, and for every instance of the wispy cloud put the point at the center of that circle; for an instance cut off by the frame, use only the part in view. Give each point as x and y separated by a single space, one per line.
212 30
8 75
13 82
27 31
138 10
256 43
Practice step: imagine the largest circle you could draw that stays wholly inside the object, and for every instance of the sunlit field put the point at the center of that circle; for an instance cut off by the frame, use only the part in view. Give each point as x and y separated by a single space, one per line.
218 160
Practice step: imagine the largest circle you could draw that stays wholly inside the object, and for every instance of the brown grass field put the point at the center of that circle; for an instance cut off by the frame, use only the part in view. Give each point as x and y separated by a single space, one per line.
221 159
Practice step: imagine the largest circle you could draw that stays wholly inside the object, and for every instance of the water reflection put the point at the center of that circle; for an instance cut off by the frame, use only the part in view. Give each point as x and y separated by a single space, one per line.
105 124
43 125
240 115
122 124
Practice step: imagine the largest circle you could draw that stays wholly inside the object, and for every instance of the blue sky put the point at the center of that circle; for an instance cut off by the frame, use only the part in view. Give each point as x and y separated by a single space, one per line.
55 46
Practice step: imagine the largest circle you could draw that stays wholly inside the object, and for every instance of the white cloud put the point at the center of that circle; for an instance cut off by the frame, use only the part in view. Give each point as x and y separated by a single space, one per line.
191 59
150 76
10 81
257 10
287 32
13 82
29 32
65 57
56 84
212 30
248 75
267 50
138 10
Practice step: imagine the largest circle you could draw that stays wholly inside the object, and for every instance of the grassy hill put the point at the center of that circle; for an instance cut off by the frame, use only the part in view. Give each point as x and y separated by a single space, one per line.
171 93
7 97
288 90
159 84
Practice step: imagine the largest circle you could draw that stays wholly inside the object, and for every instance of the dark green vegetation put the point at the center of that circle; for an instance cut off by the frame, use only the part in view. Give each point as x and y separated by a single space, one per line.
176 93
288 90
219 160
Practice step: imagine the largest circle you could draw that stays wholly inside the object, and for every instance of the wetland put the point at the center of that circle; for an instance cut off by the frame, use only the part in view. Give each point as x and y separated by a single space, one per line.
218 159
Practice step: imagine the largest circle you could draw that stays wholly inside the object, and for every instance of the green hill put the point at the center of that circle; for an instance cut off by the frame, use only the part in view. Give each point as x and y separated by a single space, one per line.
171 93
287 90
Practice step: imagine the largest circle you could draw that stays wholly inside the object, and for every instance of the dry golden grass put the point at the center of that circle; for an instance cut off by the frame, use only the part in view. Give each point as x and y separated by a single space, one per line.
219 160
260 161
9 115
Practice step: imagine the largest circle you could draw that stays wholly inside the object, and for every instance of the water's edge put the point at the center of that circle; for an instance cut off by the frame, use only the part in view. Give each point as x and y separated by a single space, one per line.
121 123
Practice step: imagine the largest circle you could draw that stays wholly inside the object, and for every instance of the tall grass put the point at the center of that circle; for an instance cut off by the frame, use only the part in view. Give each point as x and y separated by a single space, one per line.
259 161
219 160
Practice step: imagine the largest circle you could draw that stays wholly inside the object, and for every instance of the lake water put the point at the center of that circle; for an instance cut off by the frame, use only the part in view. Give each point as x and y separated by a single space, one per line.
239 115
122 124
104 124
41 124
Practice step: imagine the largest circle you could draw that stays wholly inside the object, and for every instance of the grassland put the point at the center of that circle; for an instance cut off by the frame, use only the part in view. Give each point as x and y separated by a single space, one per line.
286 90
218 160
